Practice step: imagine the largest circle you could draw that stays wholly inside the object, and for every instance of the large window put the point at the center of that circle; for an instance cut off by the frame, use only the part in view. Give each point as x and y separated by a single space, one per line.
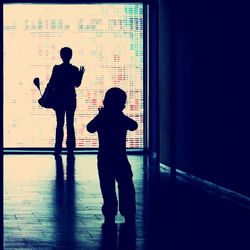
106 38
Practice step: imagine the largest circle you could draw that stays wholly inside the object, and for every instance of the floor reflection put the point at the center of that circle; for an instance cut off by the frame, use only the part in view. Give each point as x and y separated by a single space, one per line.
127 237
124 239
56 204
109 237
65 209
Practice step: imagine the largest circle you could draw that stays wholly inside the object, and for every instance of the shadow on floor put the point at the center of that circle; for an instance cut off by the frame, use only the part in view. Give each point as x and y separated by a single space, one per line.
56 204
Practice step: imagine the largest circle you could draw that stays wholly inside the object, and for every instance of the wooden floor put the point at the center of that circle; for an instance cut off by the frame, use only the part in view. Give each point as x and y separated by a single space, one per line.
48 205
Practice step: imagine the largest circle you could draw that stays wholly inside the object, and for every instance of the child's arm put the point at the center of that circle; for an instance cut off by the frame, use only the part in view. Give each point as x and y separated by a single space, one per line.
78 76
131 124
93 125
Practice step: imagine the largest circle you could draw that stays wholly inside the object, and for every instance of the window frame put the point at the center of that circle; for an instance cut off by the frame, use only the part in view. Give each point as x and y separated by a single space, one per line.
45 150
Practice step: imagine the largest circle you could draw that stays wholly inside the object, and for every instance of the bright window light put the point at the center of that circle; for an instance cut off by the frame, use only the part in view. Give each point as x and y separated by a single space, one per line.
106 38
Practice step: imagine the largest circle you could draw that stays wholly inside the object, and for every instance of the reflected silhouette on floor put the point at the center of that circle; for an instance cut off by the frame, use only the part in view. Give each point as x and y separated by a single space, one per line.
65 203
125 239
113 236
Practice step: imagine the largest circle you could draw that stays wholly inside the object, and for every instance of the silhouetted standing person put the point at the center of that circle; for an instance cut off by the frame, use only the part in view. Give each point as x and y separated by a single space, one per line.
113 165
65 77
65 204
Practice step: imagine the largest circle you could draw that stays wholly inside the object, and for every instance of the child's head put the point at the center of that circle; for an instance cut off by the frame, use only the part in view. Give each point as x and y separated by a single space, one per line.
115 99
66 54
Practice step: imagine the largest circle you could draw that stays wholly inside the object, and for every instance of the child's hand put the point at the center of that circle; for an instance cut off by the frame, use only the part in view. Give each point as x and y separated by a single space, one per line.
100 109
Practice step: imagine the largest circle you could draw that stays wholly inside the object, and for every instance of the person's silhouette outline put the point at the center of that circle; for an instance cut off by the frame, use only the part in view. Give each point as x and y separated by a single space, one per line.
113 165
65 203
65 78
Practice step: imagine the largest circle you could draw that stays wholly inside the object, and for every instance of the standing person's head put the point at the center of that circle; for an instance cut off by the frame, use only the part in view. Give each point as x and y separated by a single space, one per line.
66 54
115 99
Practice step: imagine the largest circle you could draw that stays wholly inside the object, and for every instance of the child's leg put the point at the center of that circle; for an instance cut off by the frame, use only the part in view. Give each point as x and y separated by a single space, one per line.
107 185
126 192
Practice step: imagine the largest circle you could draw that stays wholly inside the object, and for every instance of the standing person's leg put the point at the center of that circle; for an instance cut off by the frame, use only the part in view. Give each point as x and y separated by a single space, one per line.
126 190
107 185
71 140
59 130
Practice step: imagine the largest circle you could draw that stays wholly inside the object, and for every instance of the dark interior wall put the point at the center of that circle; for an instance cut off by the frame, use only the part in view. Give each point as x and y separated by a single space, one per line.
153 79
211 81
1 141
164 82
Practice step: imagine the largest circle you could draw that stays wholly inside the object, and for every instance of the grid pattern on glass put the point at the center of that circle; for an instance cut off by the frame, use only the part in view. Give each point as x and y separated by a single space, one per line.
106 38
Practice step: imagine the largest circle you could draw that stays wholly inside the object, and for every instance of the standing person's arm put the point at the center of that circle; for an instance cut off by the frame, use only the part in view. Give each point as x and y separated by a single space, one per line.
131 124
53 77
78 76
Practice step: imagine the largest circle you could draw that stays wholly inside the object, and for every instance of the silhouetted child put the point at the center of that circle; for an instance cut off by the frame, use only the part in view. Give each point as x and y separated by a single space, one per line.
113 165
